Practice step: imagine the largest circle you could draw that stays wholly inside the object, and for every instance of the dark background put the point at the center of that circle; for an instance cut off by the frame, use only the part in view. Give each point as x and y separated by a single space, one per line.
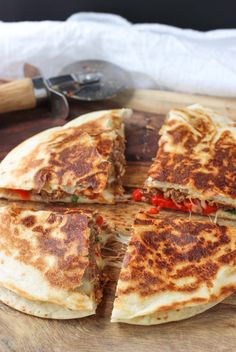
196 14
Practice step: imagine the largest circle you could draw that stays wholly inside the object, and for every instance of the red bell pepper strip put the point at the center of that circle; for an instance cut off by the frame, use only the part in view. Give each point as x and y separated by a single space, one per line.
209 209
162 202
153 211
99 220
22 193
137 195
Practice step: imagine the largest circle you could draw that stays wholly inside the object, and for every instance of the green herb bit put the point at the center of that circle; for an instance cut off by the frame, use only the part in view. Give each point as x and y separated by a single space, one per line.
74 198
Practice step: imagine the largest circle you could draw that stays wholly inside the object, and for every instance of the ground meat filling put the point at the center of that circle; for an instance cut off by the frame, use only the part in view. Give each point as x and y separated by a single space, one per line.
94 271
118 161
175 195
181 197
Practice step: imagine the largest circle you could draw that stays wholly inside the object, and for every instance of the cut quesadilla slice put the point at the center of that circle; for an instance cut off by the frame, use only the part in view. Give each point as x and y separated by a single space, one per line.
50 261
80 162
174 268
195 166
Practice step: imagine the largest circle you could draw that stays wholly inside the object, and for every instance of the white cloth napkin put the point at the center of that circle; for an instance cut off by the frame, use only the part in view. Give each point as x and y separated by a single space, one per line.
158 56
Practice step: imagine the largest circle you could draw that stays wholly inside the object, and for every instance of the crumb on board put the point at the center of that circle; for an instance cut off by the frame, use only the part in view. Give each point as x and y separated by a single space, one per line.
149 127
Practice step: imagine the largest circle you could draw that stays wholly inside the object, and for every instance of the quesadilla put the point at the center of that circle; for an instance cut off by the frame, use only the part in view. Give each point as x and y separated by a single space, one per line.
195 166
80 162
50 261
174 268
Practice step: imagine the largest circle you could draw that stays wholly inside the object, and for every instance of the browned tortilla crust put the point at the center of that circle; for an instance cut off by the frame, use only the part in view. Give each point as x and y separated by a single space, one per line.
176 255
79 159
202 156
63 237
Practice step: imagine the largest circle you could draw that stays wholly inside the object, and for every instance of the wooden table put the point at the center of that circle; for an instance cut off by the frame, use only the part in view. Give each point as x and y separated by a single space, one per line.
214 330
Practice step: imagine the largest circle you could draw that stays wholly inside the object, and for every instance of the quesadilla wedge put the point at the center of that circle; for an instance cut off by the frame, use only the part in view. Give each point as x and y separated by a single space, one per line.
195 166
50 261
174 268
80 162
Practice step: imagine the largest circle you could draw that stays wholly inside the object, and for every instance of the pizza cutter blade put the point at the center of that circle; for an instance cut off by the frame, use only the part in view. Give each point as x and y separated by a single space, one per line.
93 80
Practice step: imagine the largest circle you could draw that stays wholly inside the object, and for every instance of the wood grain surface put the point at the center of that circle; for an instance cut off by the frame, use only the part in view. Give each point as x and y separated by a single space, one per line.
213 330
17 95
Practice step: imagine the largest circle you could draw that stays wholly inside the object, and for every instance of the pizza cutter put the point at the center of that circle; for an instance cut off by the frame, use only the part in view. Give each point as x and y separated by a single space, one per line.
88 80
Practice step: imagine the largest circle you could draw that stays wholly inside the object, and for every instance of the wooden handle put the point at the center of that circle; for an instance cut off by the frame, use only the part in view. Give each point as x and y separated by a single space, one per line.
17 95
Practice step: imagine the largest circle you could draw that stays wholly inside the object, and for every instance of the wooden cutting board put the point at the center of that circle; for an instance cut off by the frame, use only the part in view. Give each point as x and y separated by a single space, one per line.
214 330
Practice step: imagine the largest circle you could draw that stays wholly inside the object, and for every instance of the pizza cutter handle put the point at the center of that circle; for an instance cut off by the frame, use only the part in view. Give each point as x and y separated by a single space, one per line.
17 95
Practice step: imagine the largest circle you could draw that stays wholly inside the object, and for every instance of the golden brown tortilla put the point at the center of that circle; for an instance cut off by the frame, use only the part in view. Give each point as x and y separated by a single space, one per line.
196 158
50 260
82 162
174 268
